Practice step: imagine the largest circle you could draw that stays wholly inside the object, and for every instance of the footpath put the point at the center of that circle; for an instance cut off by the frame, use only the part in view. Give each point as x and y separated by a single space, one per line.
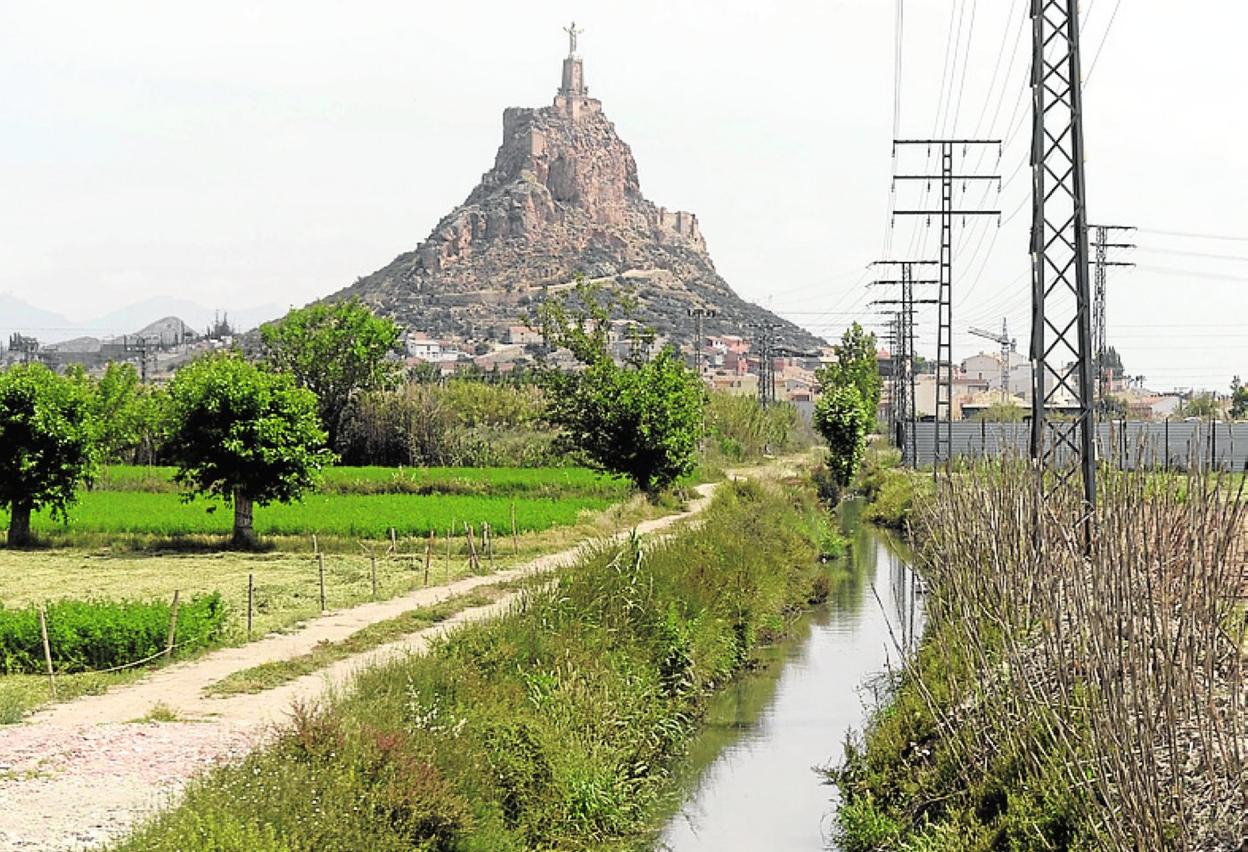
79 774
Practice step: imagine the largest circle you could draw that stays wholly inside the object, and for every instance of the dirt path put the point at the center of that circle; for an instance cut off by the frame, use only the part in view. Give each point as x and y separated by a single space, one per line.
76 775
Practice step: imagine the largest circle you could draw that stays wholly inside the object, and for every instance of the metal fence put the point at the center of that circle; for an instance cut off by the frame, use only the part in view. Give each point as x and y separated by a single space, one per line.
1127 444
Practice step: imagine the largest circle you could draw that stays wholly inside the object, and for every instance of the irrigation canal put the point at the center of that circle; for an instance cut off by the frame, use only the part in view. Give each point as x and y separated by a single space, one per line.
750 781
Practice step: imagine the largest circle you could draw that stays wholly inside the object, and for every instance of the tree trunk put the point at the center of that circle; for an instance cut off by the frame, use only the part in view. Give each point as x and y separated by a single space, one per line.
19 525
244 533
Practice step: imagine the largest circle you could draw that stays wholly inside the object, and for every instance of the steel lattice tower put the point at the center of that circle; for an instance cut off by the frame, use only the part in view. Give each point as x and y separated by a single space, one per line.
944 334
904 380
1061 331
1100 333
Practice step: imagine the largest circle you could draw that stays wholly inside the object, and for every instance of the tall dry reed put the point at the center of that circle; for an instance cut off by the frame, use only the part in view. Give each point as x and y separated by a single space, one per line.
1121 657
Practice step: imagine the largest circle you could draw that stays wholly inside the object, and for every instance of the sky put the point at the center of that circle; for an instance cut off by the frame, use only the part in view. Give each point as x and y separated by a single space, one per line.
239 153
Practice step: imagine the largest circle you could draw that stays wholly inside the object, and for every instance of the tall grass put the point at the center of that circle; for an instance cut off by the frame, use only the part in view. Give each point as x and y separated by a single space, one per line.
554 727
1066 697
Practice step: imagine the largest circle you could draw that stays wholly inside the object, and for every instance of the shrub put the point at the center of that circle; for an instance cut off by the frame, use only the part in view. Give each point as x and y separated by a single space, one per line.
841 418
93 635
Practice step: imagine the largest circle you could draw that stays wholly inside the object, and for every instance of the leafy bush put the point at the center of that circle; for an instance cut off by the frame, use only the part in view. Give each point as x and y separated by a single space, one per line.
462 423
93 635
739 429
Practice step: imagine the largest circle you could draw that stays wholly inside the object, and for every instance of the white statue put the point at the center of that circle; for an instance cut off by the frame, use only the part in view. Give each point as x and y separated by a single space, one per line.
572 32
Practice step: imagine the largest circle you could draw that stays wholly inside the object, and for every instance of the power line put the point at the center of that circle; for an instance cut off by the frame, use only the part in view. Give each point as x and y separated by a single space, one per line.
1088 77
1193 236
1235 257
1187 273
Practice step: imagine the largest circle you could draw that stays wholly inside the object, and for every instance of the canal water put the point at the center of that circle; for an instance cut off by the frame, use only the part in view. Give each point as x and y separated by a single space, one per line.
751 780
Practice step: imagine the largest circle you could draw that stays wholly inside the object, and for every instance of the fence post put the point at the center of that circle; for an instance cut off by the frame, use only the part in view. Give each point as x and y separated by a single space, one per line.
1213 443
173 626
320 561
251 597
1167 440
428 555
394 542
472 550
372 572
316 548
47 650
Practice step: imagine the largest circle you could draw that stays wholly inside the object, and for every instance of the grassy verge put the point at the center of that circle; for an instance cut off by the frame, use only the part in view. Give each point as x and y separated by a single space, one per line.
891 493
268 675
554 727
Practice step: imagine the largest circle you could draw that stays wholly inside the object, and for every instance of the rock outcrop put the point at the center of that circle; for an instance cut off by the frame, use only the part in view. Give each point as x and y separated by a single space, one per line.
563 199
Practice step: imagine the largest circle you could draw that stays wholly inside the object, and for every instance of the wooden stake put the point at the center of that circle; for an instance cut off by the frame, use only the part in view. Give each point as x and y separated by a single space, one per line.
320 559
47 650
472 550
251 597
489 542
173 626
316 548
372 570
428 555
394 542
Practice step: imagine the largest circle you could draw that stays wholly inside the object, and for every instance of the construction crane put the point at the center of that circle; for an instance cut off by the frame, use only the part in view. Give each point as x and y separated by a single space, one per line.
1008 346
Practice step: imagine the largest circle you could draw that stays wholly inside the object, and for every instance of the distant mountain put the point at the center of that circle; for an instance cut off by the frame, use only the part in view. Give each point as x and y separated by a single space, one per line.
131 318
17 315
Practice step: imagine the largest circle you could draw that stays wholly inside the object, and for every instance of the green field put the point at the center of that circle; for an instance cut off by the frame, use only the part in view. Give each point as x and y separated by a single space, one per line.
497 481
142 507
367 516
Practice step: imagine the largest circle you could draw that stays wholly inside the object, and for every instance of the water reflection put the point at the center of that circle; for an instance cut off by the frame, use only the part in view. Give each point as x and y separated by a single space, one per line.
751 774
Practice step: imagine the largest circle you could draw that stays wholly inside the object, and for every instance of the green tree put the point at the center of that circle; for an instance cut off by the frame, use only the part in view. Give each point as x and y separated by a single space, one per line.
1239 399
856 364
334 350
47 444
1203 405
245 435
641 419
842 419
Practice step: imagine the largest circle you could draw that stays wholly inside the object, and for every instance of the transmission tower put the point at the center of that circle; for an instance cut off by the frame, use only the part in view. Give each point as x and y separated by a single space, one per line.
1100 335
766 340
1061 327
903 348
699 314
949 179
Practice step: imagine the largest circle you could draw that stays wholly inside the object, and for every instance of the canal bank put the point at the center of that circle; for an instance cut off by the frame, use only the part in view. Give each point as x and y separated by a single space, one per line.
751 780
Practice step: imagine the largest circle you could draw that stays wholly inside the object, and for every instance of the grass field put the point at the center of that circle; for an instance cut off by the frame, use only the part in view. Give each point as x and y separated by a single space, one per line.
141 508
366 516
286 583
498 481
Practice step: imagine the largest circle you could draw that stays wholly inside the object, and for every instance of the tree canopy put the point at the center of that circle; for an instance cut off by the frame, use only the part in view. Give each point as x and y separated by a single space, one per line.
842 419
334 350
1239 399
641 419
856 364
47 444
245 435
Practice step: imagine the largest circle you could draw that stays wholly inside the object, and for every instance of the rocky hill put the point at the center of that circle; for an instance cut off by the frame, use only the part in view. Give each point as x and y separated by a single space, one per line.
563 199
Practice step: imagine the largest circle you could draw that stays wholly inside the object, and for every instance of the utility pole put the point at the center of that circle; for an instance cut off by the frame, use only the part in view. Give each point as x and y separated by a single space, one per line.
949 179
1061 326
1100 336
904 337
699 314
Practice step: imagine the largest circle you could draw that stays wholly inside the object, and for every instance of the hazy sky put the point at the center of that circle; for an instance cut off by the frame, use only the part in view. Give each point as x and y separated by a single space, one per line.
239 153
